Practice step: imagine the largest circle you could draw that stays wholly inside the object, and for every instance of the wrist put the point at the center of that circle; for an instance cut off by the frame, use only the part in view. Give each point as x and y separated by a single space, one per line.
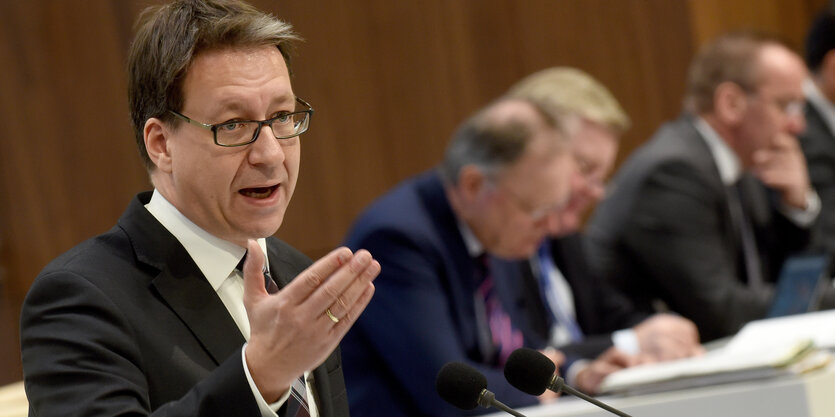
265 384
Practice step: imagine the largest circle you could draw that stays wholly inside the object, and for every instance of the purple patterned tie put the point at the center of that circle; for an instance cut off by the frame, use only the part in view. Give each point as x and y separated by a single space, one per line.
504 337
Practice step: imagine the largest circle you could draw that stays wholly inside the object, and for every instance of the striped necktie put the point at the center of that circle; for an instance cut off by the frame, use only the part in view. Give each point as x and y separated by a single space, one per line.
296 405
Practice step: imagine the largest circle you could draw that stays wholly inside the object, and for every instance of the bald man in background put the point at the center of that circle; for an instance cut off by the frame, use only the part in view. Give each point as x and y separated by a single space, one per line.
503 179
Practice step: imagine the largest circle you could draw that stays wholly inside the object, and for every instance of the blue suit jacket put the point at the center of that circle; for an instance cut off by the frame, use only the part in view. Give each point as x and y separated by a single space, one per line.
423 312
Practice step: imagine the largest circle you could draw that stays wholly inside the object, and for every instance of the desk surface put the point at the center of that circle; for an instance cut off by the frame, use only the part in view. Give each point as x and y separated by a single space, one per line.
809 395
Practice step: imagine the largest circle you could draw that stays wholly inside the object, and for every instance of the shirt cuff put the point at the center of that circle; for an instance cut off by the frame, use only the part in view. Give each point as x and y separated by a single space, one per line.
574 369
267 410
804 217
626 341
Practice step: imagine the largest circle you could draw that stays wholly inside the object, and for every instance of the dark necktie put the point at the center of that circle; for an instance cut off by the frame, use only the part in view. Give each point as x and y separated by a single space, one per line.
269 283
753 271
296 405
504 339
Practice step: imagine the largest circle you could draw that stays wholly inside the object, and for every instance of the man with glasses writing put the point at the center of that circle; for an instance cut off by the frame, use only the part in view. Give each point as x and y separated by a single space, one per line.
700 218
188 306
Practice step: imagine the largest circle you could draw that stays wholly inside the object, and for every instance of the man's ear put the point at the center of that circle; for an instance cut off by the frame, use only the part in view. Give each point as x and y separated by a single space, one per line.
156 143
730 102
471 183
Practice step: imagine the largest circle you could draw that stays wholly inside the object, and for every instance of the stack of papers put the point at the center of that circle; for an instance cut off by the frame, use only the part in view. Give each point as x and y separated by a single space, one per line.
762 349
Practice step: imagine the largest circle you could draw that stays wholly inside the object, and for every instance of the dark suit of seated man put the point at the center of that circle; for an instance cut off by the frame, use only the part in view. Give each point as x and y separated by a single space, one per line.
161 315
565 304
702 216
818 140
504 177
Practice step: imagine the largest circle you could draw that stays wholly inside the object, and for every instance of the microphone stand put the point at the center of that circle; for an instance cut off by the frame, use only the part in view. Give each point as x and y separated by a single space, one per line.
558 385
488 399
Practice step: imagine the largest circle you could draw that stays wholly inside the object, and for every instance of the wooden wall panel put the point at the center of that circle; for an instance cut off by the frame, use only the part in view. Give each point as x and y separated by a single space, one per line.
389 80
786 18
67 165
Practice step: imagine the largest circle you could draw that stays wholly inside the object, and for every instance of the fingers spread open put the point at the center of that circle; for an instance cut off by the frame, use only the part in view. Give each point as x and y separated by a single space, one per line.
354 311
358 272
345 301
314 277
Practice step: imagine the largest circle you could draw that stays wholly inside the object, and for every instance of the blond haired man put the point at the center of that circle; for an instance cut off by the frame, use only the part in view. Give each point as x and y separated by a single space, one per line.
566 306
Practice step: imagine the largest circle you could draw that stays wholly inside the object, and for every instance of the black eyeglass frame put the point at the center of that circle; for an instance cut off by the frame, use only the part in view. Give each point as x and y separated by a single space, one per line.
261 123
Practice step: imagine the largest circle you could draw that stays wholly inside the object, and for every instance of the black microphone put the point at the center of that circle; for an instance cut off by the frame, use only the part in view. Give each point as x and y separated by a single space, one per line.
465 387
532 372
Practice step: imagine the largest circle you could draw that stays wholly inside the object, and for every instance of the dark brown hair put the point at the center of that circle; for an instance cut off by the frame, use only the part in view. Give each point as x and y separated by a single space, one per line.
733 57
168 37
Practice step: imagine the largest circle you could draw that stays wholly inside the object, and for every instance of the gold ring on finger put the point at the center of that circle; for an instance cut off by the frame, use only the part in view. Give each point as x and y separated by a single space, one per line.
331 316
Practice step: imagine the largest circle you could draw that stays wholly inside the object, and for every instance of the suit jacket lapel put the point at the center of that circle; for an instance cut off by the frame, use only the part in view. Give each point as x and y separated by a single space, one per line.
180 283
697 146
187 292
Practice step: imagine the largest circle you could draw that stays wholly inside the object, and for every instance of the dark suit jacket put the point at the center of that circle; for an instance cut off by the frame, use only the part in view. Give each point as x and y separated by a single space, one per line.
423 311
600 308
125 323
665 231
818 144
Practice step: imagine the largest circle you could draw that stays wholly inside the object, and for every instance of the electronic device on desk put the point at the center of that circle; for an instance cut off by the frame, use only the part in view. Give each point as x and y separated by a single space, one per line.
800 285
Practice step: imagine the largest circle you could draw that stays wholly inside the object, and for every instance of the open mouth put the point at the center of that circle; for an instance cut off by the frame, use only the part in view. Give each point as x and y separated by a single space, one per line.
258 192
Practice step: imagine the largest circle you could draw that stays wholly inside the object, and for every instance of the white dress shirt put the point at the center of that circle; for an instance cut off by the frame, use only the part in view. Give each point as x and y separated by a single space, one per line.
820 103
217 260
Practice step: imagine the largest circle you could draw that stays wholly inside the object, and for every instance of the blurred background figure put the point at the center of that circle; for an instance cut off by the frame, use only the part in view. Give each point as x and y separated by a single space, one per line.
818 141
564 304
702 216
504 177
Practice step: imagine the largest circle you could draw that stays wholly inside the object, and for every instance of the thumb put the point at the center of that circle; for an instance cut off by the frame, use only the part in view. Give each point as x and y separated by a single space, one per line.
253 273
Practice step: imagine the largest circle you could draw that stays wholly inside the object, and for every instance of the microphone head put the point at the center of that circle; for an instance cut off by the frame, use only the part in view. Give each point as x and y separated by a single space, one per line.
460 385
529 371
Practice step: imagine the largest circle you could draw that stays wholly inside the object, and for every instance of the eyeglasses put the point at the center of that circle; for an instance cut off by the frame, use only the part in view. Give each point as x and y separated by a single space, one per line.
588 171
535 214
285 125
788 106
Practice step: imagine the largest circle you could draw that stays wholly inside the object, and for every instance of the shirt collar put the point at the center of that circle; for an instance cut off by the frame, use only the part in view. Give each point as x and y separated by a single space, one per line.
821 103
730 169
474 247
215 257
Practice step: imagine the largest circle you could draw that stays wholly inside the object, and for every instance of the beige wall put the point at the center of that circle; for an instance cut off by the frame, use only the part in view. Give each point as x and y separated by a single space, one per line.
389 81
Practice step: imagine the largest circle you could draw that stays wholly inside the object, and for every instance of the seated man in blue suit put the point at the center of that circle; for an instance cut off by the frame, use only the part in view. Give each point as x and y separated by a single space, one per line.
503 180
565 305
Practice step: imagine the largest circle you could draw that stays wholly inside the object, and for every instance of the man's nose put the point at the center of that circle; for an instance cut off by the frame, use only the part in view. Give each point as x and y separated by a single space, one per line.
266 148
